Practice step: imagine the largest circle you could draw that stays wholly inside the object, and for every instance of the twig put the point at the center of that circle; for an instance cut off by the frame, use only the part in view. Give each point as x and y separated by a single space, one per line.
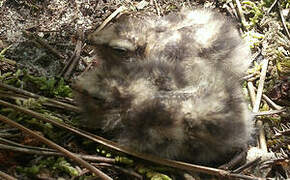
3 58
25 146
247 77
6 176
254 78
266 98
271 103
255 55
189 4
54 153
11 95
262 139
142 4
283 20
9 61
30 94
271 7
156 7
55 146
114 14
250 77
126 171
245 166
241 14
237 159
10 135
234 12
252 93
269 112
69 67
7 132
8 129
44 44
115 146
279 133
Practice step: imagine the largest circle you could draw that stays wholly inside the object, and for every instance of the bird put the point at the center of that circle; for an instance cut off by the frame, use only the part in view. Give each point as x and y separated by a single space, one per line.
169 86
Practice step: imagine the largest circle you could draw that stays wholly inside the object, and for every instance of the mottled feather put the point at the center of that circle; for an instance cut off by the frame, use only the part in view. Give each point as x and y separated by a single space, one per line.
169 86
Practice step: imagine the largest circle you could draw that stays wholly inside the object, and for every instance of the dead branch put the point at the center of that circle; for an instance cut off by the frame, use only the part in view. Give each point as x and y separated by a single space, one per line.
262 139
52 152
74 59
30 94
115 146
6 176
55 146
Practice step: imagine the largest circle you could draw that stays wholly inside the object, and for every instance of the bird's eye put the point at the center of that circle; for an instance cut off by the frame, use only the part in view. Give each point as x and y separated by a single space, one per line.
122 45
120 50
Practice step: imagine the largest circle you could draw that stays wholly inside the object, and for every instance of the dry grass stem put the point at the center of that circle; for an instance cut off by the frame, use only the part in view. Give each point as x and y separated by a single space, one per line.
241 14
252 93
283 20
32 95
69 67
112 145
272 6
262 138
54 153
269 112
247 165
157 7
6 176
114 14
126 171
6 141
55 146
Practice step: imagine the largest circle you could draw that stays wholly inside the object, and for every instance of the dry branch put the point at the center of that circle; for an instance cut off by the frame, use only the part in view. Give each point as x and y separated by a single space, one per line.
70 66
30 94
262 139
6 176
115 146
114 14
54 153
55 146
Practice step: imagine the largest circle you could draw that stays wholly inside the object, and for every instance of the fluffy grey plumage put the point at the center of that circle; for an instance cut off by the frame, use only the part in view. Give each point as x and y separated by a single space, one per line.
169 86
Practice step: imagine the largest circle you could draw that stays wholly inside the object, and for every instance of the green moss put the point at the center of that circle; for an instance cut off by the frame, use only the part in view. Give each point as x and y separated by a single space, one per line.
253 38
50 86
54 166
30 171
47 86
152 175
62 165
255 10
124 160
284 67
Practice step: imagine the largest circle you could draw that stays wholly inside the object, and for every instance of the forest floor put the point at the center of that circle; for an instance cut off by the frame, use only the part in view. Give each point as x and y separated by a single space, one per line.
43 51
